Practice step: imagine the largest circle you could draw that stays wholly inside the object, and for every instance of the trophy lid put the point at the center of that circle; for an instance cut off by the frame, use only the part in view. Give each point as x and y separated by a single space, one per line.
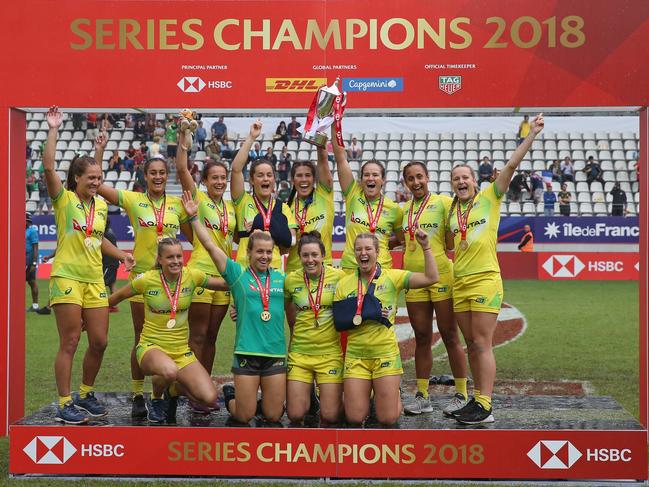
333 89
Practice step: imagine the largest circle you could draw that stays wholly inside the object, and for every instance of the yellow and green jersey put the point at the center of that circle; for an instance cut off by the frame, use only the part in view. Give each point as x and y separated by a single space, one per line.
372 339
246 211
433 221
320 217
75 260
212 216
482 234
157 307
143 220
357 221
308 338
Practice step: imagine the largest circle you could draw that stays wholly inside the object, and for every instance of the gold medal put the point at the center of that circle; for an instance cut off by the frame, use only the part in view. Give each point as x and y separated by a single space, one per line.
464 244
265 315
171 323
88 242
357 320
412 246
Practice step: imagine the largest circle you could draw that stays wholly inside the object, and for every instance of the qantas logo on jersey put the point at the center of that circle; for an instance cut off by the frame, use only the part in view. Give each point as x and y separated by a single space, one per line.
272 289
150 223
314 219
353 218
482 221
214 226
424 226
82 228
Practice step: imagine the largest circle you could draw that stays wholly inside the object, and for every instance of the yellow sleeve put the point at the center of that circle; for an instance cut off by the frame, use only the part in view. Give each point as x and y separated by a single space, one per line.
125 199
353 190
400 278
61 199
398 219
139 283
289 216
199 277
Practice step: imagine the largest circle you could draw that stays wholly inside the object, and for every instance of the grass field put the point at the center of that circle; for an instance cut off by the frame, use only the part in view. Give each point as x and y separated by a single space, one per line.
576 330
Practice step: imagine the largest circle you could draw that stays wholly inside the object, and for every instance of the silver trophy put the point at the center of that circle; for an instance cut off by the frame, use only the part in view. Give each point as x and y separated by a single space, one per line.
316 133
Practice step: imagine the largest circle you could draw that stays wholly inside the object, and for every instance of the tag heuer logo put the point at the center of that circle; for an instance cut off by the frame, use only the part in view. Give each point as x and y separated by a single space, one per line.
450 84
555 454
191 84
49 450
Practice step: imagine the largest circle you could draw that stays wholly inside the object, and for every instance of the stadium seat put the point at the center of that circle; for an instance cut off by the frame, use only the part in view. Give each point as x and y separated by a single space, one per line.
421 136
600 209
596 186
111 176
585 209
529 208
125 176
583 197
31 206
121 185
514 208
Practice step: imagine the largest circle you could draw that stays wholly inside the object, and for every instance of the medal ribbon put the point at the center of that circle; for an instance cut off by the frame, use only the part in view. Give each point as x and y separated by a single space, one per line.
463 221
223 217
315 305
360 297
262 211
412 224
374 218
158 213
301 219
339 108
90 216
172 299
311 114
264 292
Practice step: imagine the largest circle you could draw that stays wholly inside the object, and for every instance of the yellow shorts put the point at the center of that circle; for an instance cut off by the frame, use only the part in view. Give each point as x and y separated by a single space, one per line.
208 296
71 291
440 291
138 298
181 358
327 369
478 292
372 368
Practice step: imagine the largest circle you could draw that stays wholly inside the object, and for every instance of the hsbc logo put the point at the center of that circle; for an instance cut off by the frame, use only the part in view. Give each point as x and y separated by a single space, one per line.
191 84
554 454
50 450
563 266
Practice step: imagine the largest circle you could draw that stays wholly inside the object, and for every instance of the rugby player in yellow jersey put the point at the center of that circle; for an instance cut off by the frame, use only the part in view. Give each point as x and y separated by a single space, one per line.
218 216
315 351
428 212
77 291
260 209
366 208
153 216
472 230
163 350
372 359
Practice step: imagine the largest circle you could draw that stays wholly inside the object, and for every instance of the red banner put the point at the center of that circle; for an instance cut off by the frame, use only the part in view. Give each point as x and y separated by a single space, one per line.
410 54
289 453
589 266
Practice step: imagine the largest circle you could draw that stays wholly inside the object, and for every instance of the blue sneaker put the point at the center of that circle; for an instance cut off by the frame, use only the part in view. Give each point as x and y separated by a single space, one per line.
90 404
70 415
157 411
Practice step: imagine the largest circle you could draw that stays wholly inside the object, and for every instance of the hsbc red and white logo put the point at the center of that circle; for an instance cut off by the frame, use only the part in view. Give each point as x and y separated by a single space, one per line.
563 266
191 84
50 450
554 454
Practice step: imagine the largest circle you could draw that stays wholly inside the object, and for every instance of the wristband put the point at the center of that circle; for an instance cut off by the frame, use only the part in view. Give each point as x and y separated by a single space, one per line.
193 218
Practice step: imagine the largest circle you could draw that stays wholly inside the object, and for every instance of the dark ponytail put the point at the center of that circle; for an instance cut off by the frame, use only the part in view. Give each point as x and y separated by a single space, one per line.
78 167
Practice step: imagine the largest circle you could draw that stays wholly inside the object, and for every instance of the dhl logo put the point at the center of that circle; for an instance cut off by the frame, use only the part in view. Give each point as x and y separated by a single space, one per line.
286 85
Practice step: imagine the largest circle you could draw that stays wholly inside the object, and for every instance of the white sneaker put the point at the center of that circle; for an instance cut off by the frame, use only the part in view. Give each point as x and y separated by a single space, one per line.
418 405
455 404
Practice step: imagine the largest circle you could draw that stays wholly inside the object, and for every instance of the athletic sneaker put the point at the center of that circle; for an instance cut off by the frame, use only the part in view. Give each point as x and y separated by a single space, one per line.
459 411
90 404
156 411
138 408
454 405
69 414
418 405
45 310
228 395
474 413
172 406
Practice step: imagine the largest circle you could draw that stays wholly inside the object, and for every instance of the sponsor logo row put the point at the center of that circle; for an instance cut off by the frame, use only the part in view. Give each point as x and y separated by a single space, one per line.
593 266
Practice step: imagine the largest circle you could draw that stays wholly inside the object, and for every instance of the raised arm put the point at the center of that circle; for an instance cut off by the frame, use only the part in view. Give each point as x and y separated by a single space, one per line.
505 176
109 194
52 180
345 174
324 172
430 274
182 168
236 182
217 255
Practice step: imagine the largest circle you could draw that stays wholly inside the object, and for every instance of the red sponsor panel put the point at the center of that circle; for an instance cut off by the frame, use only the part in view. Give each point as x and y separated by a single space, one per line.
272 452
588 266
518 265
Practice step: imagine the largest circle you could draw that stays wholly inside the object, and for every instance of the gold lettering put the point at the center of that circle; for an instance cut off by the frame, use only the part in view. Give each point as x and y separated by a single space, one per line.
351 33
260 452
425 29
373 33
150 34
174 450
248 34
313 31
242 448
128 31
197 36
407 451
287 34
101 33
204 451
166 32
385 34
325 456
285 452
516 34
87 38
228 452
344 450
393 454
302 453
218 35
189 449
460 32
375 450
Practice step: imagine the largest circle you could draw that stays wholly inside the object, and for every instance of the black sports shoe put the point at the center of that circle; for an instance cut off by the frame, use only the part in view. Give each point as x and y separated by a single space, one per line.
45 310
228 395
172 406
459 411
138 407
474 413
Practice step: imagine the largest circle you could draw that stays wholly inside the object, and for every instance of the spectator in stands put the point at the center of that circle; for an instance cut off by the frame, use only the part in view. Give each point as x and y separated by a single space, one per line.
292 129
149 125
355 150
139 131
128 163
154 149
517 185
201 135
549 199
171 136
129 121
555 169
139 186
28 153
91 126
159 130
219 129
31 260
523 129
44 200
536 182
77 121
567 170
32 182
226 151
485 170
284 166
213 150
255 152
114 162
281 132
618 206
270 157
402 194
107 121
284 191
593 171
564 200
527 240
